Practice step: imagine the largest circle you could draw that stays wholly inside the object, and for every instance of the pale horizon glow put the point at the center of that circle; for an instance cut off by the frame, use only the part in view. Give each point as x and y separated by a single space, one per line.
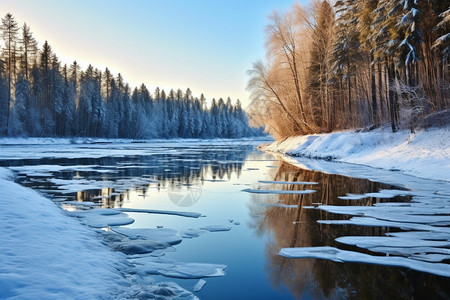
206 46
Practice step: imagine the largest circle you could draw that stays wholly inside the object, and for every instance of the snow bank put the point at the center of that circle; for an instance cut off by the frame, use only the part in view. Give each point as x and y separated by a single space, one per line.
47 255
424 154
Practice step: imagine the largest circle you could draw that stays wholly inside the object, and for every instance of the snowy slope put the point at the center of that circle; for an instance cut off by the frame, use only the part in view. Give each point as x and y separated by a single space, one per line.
424 154
47 255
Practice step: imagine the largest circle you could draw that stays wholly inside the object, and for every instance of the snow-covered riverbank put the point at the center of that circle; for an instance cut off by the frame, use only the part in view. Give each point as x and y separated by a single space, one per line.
425 154
45 254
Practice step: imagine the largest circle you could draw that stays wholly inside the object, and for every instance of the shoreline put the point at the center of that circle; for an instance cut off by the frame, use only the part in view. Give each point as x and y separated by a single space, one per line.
424 154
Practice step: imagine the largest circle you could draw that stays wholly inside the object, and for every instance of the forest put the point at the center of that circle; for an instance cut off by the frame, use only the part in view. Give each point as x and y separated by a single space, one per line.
352 64
41 97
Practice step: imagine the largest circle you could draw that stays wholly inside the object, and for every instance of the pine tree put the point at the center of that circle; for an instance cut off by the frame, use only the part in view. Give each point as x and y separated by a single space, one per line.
319 68
410 51
56 92
29 50
443 40
68 104
9 29
98 105
22 103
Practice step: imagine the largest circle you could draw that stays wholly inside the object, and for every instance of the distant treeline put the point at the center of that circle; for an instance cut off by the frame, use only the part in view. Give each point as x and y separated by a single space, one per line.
40 97
359 63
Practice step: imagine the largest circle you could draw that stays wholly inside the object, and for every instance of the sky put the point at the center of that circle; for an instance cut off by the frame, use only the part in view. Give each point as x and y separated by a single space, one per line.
206 45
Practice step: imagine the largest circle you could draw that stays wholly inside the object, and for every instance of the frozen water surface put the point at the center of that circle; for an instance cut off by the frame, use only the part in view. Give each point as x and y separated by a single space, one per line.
99 218
215 228
339 255
172 268
260 191
287 182
199 285
162 235
175 239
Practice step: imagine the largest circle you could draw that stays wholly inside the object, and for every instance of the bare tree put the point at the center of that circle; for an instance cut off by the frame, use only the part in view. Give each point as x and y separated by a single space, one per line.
283 43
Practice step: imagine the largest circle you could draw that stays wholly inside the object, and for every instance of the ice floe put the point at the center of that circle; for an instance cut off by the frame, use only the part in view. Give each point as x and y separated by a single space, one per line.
338 255
160 290
406 214
215 228
172 268
99 218
280 205
134 246
287 182
162 212
422 235
353 197
199 285
82 204
368 242
192 233
162 235
260 191
371 222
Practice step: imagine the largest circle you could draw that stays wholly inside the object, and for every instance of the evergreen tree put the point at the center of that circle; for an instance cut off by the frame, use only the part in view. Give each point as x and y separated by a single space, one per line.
319 68
56 92
29 50
9 29
68 104
22 104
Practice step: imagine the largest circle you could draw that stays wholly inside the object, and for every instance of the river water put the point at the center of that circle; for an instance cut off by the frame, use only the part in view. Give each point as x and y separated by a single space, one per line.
209 178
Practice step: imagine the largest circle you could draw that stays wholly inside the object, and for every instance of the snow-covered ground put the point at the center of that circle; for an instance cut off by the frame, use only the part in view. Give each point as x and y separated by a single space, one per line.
425 154
46 254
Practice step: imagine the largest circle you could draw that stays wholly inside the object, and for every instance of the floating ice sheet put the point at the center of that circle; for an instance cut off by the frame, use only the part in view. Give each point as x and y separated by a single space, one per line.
257 191
407 214
422 235
281 205
389 193
162 212
160 290
337 255
410 251
215 228
161 235
99 218
287 182
431 257
353 197
192 233
199 285
129 246
379 241
171 268
367 221
84 203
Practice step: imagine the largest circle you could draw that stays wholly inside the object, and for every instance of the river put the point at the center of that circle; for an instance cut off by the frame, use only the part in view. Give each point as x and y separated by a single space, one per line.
259 203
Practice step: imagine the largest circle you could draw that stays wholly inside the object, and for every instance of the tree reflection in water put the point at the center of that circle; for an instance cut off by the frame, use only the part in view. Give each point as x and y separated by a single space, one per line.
298 227
174 170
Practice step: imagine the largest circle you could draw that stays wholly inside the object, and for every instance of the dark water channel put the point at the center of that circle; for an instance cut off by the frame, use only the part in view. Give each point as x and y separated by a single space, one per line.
209 179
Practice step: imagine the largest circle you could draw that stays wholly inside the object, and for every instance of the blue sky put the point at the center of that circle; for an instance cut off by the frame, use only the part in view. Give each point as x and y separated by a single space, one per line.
206 45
